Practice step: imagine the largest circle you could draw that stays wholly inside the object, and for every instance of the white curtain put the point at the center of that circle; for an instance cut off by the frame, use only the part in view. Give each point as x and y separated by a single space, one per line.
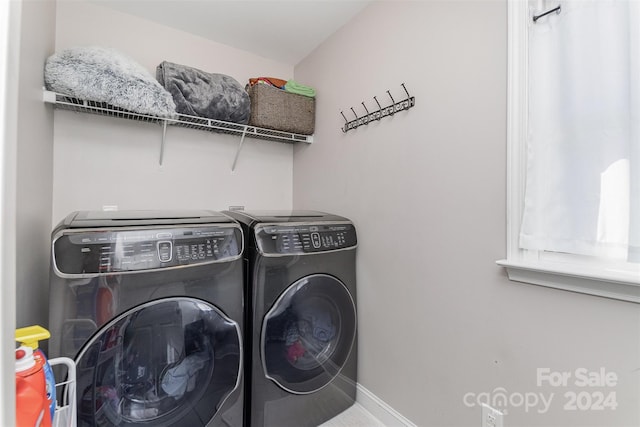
582 191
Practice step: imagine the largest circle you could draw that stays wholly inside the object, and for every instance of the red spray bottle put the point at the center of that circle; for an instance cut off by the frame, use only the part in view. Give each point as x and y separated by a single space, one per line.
34 395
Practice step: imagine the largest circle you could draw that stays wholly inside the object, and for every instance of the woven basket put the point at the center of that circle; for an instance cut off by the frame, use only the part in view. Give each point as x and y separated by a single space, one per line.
276 109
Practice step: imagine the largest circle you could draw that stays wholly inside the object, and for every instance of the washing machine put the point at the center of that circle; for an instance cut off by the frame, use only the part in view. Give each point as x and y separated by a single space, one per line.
149 304
301 326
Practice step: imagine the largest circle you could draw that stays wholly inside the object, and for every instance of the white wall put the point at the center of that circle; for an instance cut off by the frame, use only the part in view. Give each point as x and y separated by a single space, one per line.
10 17
26 129
101 161
426 189
34 166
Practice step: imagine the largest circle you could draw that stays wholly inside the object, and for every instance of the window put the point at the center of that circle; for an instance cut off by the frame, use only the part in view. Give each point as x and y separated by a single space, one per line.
573 146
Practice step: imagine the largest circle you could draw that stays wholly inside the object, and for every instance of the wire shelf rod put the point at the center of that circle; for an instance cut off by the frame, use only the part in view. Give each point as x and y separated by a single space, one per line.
70 103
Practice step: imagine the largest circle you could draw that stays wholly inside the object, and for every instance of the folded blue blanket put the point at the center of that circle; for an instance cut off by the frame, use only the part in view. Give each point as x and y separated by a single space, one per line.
198 93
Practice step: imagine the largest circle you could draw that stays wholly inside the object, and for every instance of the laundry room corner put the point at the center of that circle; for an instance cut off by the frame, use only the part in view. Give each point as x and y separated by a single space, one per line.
105 161
196 277
439 321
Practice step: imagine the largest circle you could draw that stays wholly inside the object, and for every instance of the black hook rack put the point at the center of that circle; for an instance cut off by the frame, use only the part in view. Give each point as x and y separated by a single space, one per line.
390 110
556 10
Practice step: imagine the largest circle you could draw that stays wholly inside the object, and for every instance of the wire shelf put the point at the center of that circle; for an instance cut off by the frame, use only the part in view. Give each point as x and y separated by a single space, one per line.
65 102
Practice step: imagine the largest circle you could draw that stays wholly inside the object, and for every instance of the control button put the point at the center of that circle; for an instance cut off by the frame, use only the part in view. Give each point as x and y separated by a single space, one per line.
315 240
164 251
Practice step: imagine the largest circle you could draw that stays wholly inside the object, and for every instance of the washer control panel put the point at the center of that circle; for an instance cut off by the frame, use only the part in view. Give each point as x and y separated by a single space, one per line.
109 251
292 239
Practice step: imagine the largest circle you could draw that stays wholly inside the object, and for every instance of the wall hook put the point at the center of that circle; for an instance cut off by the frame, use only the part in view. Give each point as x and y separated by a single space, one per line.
394 103
366 118
345 117
557 10
378 113
390 110
405 90
392 100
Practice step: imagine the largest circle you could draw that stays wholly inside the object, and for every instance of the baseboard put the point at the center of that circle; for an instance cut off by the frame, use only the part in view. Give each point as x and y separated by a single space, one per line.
380 409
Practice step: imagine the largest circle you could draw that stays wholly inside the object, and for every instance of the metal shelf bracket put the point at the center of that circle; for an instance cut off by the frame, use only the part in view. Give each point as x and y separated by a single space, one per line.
235 159
164 137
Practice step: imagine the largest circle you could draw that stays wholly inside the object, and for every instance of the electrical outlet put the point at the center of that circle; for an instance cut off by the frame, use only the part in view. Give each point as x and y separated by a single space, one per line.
491 417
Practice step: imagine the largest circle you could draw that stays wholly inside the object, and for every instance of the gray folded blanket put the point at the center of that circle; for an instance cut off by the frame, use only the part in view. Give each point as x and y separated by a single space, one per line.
105 75
198 93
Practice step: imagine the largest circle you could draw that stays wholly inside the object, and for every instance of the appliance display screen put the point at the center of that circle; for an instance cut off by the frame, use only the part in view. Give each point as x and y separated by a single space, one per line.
108 251
301 239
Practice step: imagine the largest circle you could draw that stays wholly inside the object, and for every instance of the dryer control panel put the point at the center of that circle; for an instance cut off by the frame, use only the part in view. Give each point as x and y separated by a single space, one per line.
79 252
292 239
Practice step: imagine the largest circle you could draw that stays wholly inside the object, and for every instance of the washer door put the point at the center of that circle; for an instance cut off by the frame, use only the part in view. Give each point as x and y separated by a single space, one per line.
170 362
308 334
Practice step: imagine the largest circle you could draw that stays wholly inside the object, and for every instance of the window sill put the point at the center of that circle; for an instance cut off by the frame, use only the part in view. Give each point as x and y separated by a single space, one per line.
623 286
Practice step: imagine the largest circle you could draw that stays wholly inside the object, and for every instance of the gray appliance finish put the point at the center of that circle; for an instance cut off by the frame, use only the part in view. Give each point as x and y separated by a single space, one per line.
149 304
301 326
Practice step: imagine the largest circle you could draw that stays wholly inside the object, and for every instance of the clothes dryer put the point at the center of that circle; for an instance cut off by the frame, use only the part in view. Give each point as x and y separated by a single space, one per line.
301 325
150 306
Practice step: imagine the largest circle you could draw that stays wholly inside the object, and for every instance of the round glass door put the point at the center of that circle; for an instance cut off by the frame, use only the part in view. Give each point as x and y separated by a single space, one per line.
170 362
308 334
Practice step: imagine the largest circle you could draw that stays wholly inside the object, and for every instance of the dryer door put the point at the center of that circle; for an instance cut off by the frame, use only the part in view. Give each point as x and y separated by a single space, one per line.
169 362
308 333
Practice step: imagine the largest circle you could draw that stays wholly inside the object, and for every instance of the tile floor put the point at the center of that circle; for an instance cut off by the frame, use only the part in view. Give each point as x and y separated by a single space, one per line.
355 416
